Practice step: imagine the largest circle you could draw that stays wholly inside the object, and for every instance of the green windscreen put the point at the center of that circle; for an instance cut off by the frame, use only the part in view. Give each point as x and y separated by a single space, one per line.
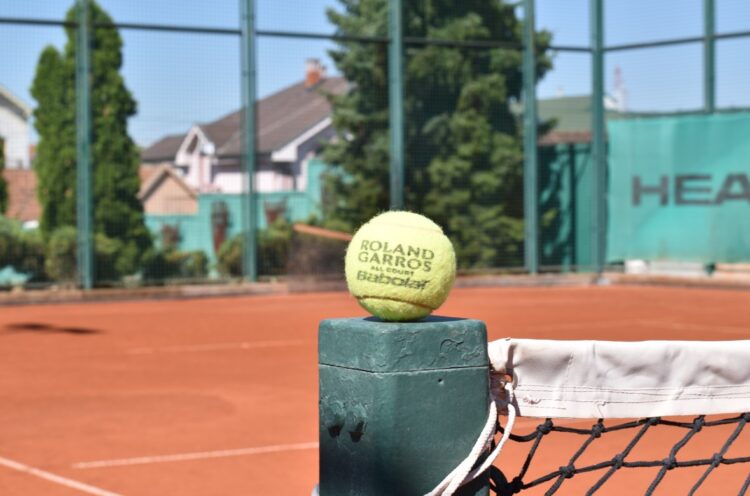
679 188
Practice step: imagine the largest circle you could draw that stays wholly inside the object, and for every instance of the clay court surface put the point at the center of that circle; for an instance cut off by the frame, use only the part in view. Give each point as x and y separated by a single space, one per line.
219 396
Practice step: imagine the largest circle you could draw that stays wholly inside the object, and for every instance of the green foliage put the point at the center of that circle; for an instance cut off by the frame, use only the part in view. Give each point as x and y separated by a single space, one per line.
113 258
229 258
3 183
273 251
171 263
60 256
312 255
463 144
54 119
170 236
23 250
273 247
118 214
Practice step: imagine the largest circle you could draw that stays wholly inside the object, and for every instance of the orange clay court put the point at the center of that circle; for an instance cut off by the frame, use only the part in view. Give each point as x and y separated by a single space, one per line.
219 396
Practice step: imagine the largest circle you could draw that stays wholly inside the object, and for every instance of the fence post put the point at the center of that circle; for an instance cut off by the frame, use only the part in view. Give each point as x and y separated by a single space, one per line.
598 130
530 164
84 199
396 103
709 56
401 404
249 200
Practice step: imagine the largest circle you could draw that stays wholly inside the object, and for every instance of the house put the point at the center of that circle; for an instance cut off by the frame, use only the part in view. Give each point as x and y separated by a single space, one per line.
14 130
166 191
291 125
192 183
571 118
22 201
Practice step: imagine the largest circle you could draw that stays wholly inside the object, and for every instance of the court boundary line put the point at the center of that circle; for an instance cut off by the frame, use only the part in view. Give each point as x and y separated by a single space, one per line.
57 479
196 455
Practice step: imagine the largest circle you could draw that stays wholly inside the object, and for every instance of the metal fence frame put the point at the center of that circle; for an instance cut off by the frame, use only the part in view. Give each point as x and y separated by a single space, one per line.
396 41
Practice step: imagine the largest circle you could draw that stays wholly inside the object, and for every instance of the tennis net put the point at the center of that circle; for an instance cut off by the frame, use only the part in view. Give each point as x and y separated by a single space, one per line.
542 417
691 390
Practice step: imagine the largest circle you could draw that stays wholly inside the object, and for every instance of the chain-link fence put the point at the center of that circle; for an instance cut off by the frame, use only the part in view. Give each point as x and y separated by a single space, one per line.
131 158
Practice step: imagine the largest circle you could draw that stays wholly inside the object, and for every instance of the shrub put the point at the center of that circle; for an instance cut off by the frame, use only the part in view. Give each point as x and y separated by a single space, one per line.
60 261
310 255
113 259
174 264
229 258
273 248
273 251
21 249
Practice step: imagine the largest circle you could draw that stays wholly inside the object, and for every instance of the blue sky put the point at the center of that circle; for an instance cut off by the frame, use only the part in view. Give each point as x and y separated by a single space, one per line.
179 79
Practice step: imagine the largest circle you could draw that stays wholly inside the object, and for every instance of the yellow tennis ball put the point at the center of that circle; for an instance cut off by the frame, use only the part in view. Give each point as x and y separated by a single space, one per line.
400 266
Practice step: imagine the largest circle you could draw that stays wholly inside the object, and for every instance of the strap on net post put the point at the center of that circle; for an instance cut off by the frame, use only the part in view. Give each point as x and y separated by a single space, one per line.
473 465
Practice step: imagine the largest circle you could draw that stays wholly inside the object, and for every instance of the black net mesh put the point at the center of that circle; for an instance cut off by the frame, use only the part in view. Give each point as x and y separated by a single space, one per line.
725 433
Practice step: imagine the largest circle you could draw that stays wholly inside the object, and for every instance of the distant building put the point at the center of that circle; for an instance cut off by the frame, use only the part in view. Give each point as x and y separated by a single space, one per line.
291 126
14 130
22 202
163 191
570 116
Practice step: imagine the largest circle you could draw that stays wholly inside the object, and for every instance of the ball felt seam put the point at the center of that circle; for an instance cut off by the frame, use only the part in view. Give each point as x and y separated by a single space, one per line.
400 266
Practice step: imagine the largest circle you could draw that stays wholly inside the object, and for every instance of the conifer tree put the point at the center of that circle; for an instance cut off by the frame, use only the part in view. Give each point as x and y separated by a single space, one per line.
464 157
118 214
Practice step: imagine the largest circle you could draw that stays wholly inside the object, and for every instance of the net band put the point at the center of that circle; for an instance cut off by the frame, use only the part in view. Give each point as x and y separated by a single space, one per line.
605 379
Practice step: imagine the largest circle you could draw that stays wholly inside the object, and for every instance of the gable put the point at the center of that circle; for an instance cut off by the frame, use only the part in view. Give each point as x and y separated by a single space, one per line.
164 192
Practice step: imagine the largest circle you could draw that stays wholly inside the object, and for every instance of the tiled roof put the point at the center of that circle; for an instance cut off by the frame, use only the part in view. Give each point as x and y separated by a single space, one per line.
22 202
282 117
150 182
163 150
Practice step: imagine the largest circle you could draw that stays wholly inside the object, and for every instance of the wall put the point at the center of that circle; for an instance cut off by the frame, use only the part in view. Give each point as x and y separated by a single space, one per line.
679 188
195 229
169 196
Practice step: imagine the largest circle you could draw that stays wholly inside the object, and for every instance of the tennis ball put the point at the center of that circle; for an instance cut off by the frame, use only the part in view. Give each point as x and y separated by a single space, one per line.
400 266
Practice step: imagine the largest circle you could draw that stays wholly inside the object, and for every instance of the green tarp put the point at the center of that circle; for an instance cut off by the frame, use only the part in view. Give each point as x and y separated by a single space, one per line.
679 188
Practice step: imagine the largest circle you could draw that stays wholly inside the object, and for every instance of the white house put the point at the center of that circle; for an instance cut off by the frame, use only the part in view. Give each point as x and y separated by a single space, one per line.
14 130
291 125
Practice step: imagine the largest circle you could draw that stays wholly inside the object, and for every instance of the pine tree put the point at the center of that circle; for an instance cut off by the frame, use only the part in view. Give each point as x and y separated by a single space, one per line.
464 155
118 214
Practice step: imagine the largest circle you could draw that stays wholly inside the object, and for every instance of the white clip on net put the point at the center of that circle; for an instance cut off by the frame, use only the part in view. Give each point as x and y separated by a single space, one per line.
502 397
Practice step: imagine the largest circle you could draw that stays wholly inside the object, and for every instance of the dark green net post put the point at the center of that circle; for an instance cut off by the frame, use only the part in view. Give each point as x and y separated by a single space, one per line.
401 404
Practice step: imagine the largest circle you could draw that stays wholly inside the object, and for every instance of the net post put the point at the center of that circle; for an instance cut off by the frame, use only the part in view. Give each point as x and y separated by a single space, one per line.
401 404
84 218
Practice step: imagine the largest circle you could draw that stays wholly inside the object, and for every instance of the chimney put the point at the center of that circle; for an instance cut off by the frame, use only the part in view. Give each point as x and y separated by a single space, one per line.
315 73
